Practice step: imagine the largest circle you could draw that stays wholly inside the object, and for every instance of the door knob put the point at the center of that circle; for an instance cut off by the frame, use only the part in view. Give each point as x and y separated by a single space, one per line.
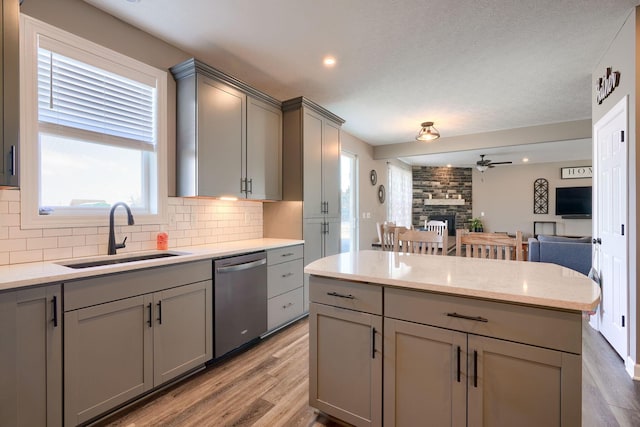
596 241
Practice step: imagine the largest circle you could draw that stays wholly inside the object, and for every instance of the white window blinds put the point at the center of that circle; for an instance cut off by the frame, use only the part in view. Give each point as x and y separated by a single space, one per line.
77 98
400 196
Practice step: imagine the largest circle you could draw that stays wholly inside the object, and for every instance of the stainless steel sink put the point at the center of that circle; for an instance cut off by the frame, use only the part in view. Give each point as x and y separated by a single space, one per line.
120 260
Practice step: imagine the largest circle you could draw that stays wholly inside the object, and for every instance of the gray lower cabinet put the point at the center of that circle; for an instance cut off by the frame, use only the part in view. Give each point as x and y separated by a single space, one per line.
285 279
31 357
128 333
445 358
345 351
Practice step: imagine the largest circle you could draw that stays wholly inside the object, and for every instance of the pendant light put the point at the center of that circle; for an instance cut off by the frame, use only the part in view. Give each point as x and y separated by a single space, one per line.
427 132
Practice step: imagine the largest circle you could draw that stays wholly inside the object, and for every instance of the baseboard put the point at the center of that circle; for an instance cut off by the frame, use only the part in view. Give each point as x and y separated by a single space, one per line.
633 368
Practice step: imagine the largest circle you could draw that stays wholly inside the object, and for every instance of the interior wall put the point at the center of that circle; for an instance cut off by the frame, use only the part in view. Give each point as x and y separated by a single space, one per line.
371 210
503 198
622 56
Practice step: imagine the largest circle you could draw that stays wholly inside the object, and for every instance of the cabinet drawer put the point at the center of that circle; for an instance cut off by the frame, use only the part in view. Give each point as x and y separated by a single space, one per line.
283 308
560 330
276 256
341 293
284 277
98 290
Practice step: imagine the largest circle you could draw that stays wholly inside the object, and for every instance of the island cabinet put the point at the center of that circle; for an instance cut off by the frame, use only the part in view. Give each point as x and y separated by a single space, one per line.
9 96
31 357
462 361
285 281
345 351
229 136
130 332
452 360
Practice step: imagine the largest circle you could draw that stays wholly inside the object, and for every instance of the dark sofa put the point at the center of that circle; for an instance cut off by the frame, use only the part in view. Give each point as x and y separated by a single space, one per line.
570 252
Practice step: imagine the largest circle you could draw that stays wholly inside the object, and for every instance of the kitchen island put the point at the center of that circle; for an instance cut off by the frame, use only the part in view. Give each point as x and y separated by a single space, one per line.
403 339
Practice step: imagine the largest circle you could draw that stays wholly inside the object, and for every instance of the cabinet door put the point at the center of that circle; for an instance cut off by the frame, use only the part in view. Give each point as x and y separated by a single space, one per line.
514 384
9 96
312 233
331 237
345 365
312 129
221 136
108 356
31 357
331 168
182 337
263 169
424 375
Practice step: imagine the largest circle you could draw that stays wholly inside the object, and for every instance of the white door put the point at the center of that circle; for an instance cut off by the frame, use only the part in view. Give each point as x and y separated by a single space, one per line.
610 219
349 204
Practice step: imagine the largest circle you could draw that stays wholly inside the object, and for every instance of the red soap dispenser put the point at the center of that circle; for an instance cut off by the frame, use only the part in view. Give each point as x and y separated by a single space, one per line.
162 241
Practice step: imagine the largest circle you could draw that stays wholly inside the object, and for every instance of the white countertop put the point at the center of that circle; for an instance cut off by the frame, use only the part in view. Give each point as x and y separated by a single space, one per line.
532 283
36 273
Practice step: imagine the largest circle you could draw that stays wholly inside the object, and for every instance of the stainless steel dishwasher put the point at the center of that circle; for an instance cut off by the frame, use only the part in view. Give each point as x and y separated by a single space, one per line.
239 301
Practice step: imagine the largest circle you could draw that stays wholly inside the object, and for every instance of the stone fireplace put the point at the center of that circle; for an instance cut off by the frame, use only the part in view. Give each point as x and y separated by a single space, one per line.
448 191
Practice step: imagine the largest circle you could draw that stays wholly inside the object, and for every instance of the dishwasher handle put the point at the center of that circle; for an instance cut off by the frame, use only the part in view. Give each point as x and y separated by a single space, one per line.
240 267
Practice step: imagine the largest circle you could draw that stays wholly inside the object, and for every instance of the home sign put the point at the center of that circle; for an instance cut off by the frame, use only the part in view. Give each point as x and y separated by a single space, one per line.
577 172
606 84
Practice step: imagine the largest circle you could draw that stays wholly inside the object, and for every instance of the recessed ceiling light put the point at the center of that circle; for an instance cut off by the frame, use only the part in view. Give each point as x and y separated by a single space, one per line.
525 159
449 165
329 61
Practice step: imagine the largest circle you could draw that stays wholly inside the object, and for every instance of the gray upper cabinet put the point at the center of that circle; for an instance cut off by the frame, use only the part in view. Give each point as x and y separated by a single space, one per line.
229 136
9 94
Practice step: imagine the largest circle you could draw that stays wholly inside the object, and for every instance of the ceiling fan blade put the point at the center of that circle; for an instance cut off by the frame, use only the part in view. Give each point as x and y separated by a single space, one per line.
501 163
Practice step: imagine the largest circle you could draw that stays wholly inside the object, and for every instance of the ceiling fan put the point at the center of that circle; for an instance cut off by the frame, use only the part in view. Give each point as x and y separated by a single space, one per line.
482 164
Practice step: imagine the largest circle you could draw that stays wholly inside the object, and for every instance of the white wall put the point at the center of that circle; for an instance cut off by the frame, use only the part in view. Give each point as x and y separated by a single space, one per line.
622 56
505 195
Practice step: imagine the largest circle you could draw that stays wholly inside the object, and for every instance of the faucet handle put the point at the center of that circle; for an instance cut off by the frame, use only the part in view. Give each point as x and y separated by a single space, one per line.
123 244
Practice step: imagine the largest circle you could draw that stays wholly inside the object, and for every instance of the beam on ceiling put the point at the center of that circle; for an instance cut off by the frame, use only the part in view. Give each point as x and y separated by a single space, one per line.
577 129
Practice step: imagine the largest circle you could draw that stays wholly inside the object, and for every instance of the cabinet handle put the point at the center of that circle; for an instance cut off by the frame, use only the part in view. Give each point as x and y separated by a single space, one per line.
287 254
475 368
335 294
13 160
150 321
463 316
54 319
287 275
327 225
284 307
373 343
458 374
160 312
250 190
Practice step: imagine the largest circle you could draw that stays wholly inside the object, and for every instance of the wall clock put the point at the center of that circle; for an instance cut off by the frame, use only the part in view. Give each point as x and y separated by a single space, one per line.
381 194
373 176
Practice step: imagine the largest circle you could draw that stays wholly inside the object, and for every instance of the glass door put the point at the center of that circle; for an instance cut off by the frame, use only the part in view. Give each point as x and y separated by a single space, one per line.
348 202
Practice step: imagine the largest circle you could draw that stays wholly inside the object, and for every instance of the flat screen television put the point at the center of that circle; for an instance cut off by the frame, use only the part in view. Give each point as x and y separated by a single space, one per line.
573 202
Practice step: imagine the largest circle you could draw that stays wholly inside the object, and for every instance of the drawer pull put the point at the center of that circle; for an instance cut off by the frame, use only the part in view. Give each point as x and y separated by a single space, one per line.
287 275
287 254
284 307
335 294
462 316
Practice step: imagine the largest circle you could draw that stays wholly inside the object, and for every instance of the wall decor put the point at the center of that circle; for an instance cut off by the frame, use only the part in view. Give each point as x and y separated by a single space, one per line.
373 176
576 172
541 196
606 84
381 194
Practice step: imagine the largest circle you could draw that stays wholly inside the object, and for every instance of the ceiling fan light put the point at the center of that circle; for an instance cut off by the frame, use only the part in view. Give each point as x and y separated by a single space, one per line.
427 132
482 168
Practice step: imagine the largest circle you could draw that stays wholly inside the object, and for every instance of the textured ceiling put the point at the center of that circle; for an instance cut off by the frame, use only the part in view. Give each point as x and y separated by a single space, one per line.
470 66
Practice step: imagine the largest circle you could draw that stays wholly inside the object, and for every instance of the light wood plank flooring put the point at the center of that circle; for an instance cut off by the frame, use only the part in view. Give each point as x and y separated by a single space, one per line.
268 386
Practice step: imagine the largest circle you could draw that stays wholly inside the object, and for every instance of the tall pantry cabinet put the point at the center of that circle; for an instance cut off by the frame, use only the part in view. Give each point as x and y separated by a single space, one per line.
311 175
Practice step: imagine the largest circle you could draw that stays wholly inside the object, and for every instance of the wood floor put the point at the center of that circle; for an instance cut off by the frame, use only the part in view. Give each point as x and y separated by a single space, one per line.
268 386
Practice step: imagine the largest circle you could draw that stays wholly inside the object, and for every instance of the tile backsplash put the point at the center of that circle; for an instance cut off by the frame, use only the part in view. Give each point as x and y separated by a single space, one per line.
192 222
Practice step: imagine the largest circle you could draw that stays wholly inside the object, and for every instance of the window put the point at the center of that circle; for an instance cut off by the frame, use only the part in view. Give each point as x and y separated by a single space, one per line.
92 134
400 196
348 202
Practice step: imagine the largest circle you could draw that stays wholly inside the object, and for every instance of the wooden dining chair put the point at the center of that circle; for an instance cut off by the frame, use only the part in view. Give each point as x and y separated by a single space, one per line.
489 245
389 233
420 242
440 227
